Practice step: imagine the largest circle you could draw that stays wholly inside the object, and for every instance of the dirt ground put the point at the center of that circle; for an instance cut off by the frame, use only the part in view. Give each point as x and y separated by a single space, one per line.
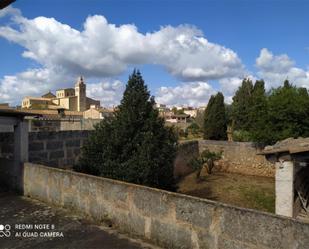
239 190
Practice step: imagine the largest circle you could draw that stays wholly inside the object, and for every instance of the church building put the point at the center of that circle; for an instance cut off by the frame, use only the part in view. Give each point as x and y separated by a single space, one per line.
72 99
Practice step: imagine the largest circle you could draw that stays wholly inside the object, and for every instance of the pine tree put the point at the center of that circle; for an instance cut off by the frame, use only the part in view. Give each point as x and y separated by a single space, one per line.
215 118
134 145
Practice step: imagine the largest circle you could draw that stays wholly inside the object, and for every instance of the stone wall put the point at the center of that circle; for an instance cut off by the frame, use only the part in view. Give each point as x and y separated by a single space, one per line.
62 149
64 124
56 149
239 157
168 219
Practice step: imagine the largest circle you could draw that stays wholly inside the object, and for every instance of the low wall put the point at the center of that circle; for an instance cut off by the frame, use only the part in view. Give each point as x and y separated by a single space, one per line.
55 149
168 219
239 157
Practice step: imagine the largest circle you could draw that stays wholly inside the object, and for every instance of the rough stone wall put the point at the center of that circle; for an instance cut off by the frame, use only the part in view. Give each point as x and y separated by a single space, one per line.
168 219
239 157
56 149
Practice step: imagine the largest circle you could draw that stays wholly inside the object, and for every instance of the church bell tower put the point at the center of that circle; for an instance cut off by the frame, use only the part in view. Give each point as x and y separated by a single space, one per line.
80 92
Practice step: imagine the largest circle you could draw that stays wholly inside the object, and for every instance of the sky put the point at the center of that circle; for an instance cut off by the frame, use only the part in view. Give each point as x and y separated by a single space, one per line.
186 50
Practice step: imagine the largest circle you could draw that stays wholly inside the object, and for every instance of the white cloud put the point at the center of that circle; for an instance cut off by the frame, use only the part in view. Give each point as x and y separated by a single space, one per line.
36 82
108 92
103 50
32 82
9 11
191 94
274 69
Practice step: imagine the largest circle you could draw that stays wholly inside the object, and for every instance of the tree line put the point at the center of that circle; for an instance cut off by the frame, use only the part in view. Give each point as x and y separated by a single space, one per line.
257 115
136 146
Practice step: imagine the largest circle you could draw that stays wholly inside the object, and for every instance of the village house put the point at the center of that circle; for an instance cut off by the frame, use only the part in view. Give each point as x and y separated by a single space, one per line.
97 113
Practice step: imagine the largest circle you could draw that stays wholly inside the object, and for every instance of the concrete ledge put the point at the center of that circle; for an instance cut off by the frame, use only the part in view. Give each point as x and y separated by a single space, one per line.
169 219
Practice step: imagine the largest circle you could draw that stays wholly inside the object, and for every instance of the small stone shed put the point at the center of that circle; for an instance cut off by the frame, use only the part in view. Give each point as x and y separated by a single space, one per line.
11 171
291 157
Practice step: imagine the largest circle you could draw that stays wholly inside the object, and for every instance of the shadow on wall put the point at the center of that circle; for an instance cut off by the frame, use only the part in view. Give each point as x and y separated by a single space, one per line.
186 151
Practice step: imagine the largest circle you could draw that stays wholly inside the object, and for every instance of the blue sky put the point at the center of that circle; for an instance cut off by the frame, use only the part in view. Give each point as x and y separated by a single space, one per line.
244 27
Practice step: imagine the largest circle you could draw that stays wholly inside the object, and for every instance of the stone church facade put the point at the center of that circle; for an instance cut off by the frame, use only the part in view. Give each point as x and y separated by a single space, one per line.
73 99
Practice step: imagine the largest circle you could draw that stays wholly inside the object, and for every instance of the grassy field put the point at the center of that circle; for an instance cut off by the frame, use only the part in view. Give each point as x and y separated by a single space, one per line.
239 190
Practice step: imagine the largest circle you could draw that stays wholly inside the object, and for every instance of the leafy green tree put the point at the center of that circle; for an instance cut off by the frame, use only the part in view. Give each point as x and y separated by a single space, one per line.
241 105
194 129
134 145
288 112
215 119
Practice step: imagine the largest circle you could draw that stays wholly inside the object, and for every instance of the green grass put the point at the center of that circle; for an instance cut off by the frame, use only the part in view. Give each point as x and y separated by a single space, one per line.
258 198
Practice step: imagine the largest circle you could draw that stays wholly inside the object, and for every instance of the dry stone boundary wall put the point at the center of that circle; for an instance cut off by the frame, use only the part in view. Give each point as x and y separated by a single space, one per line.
239 157
168 219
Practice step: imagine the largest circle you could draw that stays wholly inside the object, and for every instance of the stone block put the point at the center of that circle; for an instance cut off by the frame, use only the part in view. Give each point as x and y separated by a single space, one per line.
169 235
115 192
70 200
42 135
38 191
36 146
54 195
69 153
97 210
56 154
72 143
54 145
224 243
256 228
77 152
129 222
195 212
151 202
38 155
206 240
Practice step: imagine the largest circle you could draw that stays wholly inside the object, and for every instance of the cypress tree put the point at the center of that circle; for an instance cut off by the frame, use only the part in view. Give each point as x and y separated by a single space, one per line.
258 115
134 145
241 105
215 118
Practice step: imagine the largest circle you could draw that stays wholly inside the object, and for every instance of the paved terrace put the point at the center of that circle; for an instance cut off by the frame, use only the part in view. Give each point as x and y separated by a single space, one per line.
77 232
